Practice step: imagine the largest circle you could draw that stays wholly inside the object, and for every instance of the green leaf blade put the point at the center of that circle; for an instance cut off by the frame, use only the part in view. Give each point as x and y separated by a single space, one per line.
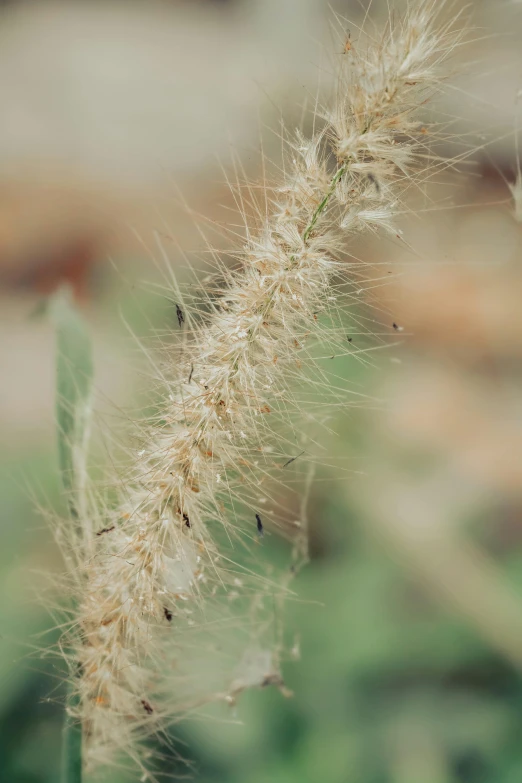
74 373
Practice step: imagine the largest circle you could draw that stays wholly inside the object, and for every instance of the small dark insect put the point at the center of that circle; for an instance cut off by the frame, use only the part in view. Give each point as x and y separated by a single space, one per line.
168 616
186 520
350 339
105 530
397 327
181 317
293 459
260 530
147 707
375 183
190 374
272 679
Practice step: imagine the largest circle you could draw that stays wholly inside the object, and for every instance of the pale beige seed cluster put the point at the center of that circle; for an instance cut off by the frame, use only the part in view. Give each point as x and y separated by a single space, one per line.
143 567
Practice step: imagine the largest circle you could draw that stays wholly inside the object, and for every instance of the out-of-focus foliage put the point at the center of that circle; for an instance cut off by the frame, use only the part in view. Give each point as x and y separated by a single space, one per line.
408 616
391 686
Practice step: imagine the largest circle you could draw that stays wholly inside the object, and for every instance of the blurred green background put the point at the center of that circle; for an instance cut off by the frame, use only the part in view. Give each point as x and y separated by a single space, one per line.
409 616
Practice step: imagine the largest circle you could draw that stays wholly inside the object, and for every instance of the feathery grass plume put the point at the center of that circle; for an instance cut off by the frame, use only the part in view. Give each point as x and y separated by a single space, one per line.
142 567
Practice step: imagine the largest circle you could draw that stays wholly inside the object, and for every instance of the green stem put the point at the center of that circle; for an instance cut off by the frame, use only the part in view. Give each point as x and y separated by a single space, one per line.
72 745
308 230
322 206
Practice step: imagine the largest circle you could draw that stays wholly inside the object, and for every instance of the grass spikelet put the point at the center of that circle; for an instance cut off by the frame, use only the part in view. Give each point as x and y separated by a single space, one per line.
144 567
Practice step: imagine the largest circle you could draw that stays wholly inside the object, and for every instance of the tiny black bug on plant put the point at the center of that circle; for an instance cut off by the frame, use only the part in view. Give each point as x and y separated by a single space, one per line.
293 459
105 530
260 529
181 317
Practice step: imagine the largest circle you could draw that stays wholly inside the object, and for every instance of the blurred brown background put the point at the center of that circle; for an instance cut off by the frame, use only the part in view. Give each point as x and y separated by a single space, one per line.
112 113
